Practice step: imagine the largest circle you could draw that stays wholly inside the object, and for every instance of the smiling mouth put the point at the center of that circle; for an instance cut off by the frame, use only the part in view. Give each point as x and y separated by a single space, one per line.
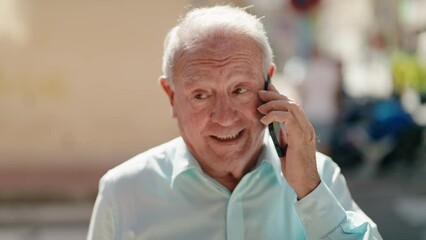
228 137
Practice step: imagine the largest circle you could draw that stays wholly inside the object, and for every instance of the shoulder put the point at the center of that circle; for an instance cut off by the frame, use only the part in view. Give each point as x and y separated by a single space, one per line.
155 163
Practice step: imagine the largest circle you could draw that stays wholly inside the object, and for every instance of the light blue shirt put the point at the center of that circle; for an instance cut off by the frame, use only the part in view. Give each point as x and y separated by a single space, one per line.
164 194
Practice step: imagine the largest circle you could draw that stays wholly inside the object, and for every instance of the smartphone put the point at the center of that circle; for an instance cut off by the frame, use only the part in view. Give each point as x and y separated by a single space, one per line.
275 128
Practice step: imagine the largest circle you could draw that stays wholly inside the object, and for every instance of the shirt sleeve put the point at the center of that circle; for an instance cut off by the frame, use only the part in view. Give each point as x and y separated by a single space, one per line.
102 224
329 211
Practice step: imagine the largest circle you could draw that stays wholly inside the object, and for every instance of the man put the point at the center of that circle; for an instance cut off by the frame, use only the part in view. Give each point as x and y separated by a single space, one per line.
223 179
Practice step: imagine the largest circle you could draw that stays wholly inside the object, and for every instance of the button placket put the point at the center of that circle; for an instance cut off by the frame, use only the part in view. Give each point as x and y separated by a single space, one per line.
235 218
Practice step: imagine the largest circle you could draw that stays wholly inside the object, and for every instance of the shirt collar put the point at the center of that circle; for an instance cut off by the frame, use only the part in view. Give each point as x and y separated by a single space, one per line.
184 161
269 156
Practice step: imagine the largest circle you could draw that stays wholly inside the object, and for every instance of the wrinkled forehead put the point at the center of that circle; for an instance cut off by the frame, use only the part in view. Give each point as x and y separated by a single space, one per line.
237 52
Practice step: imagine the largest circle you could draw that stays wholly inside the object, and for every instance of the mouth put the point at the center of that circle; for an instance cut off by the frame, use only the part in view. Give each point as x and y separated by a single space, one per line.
228 137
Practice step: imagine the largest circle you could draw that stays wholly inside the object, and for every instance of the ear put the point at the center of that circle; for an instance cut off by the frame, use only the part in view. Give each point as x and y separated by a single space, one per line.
271 70
169 91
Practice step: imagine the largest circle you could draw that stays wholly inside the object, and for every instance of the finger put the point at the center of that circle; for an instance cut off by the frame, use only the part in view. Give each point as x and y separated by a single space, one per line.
285 105
272 105
279 116
302 120
292 108
267 96
272 95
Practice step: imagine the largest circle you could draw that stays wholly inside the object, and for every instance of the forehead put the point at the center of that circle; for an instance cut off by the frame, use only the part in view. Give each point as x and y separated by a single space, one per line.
223 55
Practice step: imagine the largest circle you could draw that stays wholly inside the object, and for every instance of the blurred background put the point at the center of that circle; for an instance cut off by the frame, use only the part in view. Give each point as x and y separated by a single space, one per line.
79 94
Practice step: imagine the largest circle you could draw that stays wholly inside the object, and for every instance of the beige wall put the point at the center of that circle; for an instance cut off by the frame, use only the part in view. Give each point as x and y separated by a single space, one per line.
78 80
79 90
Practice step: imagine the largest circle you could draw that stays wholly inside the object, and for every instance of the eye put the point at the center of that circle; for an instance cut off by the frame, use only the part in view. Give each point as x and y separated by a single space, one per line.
240 90
200 96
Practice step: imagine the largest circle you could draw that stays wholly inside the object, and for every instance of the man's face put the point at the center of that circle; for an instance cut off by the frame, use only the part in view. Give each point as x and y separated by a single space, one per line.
215 102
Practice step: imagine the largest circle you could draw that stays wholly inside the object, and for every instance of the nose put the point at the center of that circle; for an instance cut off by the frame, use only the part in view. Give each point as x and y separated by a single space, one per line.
224 111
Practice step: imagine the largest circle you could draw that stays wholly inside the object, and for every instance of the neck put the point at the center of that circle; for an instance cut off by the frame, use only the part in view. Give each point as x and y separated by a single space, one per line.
230 183
230 178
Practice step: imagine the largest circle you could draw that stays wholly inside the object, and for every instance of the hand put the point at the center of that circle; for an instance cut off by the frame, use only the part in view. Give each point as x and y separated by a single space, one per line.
299 164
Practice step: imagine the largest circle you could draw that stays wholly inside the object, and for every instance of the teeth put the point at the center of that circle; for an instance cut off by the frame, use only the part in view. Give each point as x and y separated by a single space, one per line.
227 137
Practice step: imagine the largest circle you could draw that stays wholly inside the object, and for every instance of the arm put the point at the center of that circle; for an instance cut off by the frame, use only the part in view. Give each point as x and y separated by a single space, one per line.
102 225
329 211
325 206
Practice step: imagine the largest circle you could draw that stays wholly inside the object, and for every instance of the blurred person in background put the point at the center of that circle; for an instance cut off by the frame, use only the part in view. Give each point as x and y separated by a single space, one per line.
223 179
319 90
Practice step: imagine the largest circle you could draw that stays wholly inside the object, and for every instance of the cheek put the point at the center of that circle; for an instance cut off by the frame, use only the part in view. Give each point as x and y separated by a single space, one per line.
190 121
250 109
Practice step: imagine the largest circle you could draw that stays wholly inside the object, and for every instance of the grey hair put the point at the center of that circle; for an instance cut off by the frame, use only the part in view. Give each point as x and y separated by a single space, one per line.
202 24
